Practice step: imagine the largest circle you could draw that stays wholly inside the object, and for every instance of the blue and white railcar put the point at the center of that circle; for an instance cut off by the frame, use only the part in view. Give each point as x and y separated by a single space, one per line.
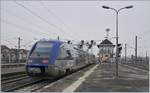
55 58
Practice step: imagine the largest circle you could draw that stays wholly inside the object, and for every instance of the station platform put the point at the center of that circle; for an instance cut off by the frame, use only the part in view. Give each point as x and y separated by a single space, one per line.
12 69
101 78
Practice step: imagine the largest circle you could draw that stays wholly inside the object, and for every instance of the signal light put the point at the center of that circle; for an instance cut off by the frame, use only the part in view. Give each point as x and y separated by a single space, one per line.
106 7
98 46
87 43
69 42
92 41
131 6
82 42
119 45
90 46
80 46
29 61
119 50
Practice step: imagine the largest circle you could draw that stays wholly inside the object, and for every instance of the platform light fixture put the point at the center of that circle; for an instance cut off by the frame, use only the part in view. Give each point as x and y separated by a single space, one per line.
117 12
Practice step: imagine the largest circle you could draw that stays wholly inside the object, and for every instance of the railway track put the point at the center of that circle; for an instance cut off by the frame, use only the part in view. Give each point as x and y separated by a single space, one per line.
35 87
140 66
12 75
40 85
14 79
18 83
25 83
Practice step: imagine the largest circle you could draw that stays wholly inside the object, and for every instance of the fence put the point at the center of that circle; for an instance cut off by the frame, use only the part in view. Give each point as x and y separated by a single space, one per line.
5 61
139 60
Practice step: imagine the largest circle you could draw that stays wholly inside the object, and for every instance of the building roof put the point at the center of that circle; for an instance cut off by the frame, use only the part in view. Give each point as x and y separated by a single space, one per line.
106 41
13 50
4 47
23 51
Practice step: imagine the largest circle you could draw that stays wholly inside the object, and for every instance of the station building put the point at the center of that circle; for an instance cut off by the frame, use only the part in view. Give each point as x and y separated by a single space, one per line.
106 51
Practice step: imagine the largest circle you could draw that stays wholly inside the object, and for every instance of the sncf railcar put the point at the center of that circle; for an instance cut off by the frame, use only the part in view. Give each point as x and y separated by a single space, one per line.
55 58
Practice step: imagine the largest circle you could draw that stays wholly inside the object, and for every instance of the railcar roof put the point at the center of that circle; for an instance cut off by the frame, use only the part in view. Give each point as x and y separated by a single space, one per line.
51 41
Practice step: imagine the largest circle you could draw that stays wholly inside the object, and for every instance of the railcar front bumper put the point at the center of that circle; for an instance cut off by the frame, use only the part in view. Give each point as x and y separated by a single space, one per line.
50 70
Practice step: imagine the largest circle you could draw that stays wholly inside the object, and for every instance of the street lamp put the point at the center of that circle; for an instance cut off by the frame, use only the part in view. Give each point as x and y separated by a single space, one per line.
117 12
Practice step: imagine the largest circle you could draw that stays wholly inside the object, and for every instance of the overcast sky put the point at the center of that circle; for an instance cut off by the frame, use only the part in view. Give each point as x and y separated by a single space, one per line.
75 20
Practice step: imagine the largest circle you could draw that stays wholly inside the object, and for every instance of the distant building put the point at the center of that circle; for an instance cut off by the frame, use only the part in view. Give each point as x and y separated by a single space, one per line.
10 55
4 53
106 49
23 54
13 53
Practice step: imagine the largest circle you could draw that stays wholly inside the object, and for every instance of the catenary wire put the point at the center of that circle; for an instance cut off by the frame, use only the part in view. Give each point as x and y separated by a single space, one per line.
58 18
31 23
20 27
33 13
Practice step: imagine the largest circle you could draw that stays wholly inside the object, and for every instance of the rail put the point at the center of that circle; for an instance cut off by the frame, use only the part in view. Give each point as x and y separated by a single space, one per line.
12 65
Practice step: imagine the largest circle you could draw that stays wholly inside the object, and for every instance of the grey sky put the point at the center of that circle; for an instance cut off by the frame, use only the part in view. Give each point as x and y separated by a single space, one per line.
75 20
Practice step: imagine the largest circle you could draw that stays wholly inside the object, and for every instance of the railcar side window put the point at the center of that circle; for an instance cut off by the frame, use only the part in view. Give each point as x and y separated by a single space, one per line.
61 54
68 52
64 54
69 56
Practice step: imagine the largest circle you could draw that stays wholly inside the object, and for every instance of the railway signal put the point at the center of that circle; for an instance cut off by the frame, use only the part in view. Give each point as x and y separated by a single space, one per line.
119 49
92 41
90 46
98 46
82 42
69 42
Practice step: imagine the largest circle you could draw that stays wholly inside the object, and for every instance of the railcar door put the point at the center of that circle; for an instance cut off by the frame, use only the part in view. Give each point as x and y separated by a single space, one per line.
64 59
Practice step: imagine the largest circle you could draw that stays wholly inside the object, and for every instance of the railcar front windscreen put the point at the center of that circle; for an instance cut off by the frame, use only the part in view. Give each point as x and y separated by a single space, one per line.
41 50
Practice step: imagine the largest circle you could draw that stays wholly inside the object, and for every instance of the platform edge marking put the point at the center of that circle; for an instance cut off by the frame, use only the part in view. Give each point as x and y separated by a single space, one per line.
76 84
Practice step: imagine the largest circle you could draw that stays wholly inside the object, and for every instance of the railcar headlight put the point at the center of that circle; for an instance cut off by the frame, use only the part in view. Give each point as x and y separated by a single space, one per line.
29 61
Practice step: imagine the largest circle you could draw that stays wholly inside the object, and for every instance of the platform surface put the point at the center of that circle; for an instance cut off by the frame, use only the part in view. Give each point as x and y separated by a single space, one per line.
101 78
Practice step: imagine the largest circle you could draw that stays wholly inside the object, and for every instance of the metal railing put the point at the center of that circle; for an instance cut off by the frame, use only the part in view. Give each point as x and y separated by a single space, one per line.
5 61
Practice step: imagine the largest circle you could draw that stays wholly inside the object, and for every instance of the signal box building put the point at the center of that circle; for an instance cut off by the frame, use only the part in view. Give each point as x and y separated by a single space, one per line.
106 51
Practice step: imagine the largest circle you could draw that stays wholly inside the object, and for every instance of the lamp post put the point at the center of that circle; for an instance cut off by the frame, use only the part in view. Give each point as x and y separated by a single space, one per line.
117 12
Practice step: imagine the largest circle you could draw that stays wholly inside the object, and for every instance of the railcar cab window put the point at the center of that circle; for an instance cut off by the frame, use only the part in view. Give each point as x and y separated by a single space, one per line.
41 50
69 56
